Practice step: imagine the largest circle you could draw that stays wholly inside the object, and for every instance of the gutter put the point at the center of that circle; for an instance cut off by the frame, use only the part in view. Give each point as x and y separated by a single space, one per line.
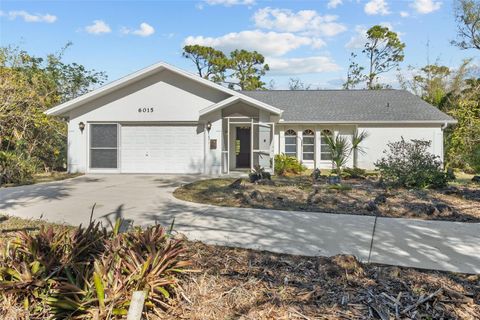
442 122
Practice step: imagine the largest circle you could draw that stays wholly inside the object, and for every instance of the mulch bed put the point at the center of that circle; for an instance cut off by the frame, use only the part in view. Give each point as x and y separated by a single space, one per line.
354 196
234 283
246 284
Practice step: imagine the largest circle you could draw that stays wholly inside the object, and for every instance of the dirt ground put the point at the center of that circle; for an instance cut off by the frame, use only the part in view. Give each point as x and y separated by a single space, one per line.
459 202
233 283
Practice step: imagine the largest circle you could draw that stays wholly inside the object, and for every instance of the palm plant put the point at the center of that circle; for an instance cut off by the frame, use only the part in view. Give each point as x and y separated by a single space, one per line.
357 139
340 151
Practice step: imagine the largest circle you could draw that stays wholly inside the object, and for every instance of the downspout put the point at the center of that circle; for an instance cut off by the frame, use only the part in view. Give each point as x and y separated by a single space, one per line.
443 127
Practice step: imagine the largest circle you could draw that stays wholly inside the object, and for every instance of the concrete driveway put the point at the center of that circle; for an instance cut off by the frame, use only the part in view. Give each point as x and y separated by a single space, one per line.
147 199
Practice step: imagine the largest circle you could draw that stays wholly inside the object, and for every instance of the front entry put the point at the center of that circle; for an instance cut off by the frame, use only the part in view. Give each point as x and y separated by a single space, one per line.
242 147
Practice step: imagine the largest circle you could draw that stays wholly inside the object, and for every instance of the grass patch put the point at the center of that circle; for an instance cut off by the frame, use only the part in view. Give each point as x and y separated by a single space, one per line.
46 177
339 187
463 179
9 225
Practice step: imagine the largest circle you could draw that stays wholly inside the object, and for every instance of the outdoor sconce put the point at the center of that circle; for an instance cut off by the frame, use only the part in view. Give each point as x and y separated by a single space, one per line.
209 126
81 126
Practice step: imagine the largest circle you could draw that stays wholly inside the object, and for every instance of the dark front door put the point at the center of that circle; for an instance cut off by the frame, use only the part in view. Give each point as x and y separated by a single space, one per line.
242 147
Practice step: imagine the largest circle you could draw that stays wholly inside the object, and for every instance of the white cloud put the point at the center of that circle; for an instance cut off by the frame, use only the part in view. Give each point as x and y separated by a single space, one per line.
289 66
426 6
358 40
98 27
404 14
229 3
267 43
145 30
307 21
334 3
28 17
374 7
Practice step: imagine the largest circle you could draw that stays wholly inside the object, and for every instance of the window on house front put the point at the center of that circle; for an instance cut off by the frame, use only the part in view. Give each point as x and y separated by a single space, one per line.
325 153
103 146
291 143
308 145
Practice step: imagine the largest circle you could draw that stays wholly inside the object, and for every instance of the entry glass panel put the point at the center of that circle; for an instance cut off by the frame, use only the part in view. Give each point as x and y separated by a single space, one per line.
243 147
103 146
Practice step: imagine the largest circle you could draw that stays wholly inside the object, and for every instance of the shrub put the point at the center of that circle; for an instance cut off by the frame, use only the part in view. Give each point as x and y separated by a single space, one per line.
410 165
288 165
88 272
15 168
259 173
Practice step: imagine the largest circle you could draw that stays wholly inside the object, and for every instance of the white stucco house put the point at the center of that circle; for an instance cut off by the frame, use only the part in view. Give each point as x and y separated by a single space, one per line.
165 120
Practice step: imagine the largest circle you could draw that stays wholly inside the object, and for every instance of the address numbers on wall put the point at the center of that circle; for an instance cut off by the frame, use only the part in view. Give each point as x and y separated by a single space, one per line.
145 110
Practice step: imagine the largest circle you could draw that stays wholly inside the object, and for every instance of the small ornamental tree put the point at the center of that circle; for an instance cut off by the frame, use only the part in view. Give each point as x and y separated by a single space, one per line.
409 164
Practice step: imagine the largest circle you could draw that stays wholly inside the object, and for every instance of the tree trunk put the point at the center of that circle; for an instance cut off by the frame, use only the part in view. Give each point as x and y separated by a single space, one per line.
355 157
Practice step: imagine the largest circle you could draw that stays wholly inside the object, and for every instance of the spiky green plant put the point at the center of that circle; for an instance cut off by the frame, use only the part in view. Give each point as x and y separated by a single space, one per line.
89 272
340 150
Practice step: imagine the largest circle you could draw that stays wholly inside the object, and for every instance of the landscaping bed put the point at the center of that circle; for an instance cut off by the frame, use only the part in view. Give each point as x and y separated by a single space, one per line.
232 283
456 202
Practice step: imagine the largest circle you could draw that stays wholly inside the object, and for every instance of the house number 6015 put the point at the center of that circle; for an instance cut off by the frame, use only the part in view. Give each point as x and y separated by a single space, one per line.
145 110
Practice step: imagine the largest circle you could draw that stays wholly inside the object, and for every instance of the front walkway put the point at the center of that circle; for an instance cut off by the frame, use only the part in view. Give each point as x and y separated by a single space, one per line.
147 199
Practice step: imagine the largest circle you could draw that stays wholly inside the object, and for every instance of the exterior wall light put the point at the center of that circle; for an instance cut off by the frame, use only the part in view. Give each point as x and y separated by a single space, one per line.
209 126
81 126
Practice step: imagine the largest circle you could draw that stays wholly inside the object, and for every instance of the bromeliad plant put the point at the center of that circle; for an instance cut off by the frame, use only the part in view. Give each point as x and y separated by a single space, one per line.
89 272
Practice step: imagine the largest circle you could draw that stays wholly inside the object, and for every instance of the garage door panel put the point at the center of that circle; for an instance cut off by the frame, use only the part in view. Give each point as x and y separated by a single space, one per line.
161 149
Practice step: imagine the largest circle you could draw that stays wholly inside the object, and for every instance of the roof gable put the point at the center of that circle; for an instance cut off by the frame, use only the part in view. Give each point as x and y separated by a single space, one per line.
109 88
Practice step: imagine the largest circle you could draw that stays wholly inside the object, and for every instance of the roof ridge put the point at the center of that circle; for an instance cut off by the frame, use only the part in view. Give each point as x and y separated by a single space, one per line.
313 90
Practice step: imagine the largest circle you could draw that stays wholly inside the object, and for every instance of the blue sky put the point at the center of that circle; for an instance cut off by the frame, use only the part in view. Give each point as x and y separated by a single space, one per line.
310 40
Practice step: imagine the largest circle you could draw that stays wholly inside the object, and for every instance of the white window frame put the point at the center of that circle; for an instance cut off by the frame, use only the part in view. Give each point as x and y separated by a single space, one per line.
89 147
291 154
324 146
308 133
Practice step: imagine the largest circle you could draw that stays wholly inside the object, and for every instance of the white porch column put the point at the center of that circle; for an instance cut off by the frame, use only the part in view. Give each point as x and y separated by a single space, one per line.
281 140
318 132
299 144
251 143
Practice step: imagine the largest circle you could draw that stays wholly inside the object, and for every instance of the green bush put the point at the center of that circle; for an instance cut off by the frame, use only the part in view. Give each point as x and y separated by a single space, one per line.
409 164
15 168
60 273
259 173
288 165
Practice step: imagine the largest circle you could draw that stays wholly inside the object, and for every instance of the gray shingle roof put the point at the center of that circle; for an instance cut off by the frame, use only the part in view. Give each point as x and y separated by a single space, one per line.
350 105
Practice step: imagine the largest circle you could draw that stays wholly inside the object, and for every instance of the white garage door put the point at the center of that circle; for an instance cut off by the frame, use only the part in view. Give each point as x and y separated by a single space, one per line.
161 149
